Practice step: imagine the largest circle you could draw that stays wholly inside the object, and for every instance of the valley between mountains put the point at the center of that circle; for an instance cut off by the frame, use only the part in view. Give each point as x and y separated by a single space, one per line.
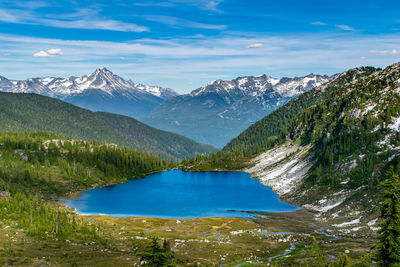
212 114
323 143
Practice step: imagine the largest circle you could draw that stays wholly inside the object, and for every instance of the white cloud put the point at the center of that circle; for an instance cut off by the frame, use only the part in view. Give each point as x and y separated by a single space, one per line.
384 52
55 51
31 4
41 54
256 45
211 5
319 23
82 19
198 60
6 16
174 21
112 25
49 53
345 27
153 3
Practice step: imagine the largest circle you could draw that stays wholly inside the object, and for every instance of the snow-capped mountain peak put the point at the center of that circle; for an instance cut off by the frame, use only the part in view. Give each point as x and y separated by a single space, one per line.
5 83
157 90
101 90
221 109
101 79
255 85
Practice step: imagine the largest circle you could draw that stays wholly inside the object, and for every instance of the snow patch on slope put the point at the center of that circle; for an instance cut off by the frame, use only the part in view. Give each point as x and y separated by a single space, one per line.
325 206
395 125
344 224
282 168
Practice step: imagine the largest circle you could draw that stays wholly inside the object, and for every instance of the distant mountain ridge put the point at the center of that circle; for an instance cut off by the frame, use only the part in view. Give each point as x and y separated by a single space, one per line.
100 91
30 112
220 110
258 85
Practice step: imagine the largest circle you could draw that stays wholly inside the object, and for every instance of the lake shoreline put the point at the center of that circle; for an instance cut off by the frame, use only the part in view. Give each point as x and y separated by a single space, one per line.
77 194
264 200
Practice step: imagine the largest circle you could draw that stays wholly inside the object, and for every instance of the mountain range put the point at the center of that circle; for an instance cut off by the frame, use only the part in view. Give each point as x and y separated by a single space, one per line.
100 91
327 151
220 110
30 112
330 149
258 136
212 114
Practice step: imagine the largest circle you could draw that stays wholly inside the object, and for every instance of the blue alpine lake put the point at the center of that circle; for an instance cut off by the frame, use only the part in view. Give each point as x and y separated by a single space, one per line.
181 194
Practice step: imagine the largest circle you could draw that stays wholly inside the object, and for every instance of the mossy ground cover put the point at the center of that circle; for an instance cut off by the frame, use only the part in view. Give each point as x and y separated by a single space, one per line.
196 242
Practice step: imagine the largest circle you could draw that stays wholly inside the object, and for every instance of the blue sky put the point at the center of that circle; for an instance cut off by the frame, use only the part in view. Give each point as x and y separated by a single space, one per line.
183 44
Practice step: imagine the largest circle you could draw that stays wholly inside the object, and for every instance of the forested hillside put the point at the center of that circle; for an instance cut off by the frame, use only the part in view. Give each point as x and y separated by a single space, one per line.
49 164
334 155
355 132
29 112
38 167
262 134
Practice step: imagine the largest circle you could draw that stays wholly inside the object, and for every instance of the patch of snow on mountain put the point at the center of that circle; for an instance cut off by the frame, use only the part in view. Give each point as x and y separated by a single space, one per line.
273 81
297 86
355 221
281 173
369 108
306 80
156 90
325 206
82 83
243 81
288 89
46 80
150 89
395 125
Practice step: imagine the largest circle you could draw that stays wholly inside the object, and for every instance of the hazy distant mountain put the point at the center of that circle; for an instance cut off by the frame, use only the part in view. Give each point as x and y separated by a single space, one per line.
219 111
100 91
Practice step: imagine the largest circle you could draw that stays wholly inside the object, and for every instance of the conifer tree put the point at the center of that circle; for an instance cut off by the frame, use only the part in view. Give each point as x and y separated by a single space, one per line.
388 246
319 257
157 256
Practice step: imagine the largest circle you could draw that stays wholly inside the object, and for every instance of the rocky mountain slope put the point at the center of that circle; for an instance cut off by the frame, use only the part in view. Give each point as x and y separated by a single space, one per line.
100 91
259 136
27 112
338 151
217 112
